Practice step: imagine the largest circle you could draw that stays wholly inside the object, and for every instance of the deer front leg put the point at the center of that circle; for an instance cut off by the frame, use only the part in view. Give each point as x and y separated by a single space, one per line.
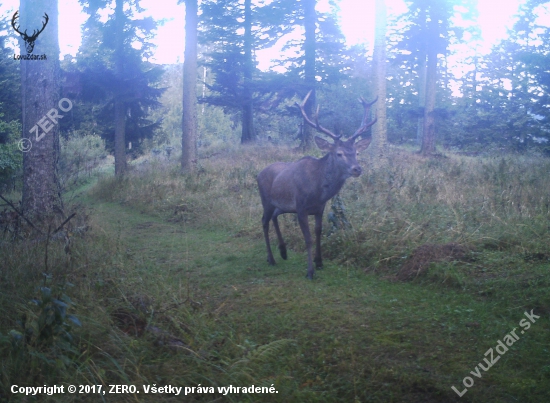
318 230
304 226
282 245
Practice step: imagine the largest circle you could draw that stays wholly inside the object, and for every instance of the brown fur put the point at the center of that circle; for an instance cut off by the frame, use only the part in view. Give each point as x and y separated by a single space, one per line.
303 187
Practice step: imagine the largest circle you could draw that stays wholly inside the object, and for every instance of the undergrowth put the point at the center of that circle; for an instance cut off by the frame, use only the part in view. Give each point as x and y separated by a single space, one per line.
91 317
498 203
169 286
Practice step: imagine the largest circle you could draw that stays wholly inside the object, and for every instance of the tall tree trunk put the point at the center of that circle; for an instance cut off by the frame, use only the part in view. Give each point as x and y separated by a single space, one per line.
474 82
40 100
120 107
247 113
189 115
428 139
379 130
422 66
421 98
310 22
446 73
203 87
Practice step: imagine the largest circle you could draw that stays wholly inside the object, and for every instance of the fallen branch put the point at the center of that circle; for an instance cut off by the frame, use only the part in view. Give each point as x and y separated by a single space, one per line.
64 222
19 213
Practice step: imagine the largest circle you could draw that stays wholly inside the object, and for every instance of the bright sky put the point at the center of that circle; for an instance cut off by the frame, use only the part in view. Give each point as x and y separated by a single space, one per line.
357 19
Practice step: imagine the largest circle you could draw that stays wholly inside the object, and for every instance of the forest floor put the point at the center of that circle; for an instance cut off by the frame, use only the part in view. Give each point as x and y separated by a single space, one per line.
356 336
166 299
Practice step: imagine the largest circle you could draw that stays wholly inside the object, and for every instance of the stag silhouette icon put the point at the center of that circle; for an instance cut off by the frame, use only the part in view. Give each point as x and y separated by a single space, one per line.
29 40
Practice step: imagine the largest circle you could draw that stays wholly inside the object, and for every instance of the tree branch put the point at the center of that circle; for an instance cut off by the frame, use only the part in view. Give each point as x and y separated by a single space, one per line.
20 214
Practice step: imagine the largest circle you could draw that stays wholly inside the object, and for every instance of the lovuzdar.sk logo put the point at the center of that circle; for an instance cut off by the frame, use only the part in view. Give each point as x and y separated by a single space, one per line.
29 39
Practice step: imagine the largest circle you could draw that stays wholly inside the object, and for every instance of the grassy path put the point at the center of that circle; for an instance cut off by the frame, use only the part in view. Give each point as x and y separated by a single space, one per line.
347 336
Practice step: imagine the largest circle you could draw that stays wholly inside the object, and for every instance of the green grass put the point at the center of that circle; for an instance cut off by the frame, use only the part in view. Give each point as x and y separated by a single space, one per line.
184 255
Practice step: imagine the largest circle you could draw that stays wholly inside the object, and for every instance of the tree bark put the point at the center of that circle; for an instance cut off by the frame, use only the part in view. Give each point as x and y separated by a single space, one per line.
474 82
428 139
421 98
120 107
379 130
310 22
422 66
40 100
189 115
247 111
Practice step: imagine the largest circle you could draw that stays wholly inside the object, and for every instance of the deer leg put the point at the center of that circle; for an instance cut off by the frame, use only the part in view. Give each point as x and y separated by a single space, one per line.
282 245
268 213
318 230
304 226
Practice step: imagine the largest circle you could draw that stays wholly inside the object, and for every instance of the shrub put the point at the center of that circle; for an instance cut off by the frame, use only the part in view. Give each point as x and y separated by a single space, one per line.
11 158
80 154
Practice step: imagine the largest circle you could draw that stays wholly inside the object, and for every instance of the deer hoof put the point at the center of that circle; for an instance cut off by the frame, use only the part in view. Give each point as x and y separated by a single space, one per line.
271 261
309 276
282 250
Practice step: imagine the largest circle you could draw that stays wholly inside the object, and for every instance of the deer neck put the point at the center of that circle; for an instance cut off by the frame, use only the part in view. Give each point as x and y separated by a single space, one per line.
333 177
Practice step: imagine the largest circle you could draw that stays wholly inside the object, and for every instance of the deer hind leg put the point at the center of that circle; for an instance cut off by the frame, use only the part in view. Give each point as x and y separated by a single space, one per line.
282 245
268 214
318 230
304 226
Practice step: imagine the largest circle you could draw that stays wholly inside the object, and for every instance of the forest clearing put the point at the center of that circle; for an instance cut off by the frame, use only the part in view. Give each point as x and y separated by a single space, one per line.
171 170
171 286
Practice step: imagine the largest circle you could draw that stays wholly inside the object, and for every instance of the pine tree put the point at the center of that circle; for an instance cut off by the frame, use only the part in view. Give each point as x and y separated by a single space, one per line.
427 36
189 113
231 31
114 75
41 193
379 131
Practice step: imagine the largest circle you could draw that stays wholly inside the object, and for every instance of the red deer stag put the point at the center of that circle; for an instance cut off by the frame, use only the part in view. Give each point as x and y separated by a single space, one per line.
304 187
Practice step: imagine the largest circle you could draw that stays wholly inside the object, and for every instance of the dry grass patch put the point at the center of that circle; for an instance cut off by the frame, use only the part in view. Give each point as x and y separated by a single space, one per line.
421 258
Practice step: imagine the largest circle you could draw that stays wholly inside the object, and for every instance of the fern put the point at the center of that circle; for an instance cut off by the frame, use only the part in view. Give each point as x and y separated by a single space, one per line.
265 354
259 363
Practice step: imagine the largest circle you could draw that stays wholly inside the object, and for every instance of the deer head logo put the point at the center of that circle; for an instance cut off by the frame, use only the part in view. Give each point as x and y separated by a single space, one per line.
29 40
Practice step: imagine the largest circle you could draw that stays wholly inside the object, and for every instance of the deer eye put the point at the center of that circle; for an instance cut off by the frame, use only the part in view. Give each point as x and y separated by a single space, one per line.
340 153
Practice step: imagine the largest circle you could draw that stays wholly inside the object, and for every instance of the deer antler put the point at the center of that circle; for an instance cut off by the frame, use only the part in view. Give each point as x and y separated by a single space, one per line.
364 124
16 28
315 124
34 32
35 35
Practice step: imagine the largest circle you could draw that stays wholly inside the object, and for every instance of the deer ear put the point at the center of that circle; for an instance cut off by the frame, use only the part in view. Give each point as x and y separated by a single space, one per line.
363 144
322 143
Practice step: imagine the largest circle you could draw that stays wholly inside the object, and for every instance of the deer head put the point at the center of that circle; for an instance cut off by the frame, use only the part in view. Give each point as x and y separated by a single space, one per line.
29 40
344 151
